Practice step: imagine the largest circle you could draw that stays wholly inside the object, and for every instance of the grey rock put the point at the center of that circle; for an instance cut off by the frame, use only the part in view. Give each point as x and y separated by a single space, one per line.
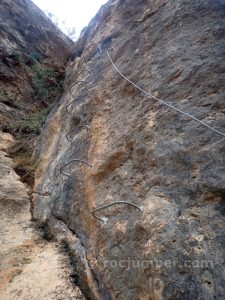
142 152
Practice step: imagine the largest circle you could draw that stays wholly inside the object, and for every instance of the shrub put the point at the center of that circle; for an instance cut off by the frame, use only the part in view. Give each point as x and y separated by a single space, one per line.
32 58
44 82
3 95
21 151
35 56
33 123
7 99
16 55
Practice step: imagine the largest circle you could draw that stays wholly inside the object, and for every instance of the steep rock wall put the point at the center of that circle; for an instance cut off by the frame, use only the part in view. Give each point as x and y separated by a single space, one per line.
32 48
141 152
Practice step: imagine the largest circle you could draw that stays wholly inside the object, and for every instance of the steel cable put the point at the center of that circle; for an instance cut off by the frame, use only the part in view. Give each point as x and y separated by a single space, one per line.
162 101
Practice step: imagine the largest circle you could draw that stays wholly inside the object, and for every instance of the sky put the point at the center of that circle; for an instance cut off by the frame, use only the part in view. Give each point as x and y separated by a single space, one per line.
71 13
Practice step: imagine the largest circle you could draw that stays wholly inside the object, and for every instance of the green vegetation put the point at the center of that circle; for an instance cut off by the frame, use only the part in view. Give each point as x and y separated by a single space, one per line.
34 108
26 131
7 99
44 81
29 126
35 57
32 58
33 123
41 75
16 56
21 152
3 95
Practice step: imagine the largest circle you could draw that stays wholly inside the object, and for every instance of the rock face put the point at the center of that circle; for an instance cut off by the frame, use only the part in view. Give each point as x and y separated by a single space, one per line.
107 142
33 54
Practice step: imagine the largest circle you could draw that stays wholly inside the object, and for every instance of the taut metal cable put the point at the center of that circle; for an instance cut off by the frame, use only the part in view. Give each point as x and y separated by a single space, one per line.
162 101
157 99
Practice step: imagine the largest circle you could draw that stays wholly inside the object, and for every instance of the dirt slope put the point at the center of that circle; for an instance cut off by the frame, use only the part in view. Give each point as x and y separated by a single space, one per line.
30 267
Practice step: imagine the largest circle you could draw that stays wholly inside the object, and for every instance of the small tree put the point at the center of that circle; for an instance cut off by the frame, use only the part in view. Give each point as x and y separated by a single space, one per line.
69 31
72 33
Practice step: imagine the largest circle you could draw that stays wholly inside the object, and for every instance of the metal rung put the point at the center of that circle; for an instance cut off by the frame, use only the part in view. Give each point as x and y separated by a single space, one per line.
68 134
46 194
68 105
74 160
73 85
111 204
